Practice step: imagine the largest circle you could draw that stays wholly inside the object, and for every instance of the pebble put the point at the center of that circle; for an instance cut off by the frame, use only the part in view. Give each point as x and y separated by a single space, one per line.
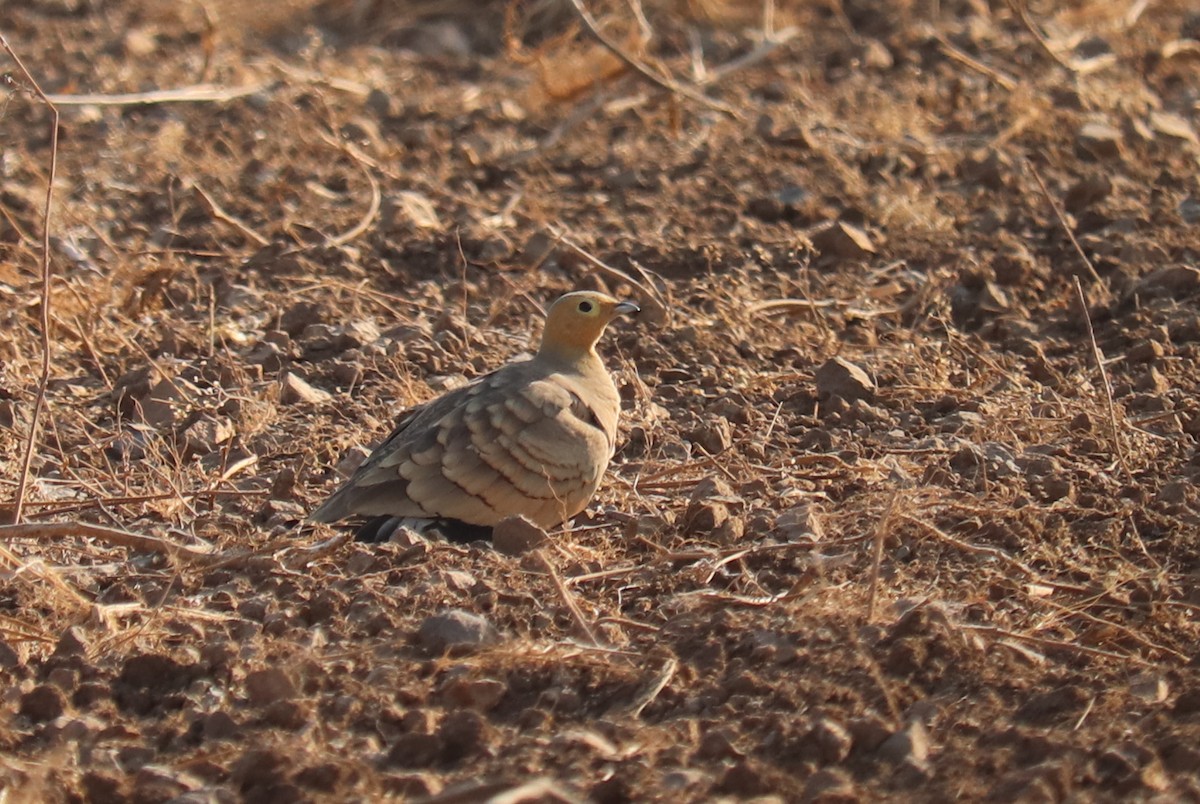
830 786
910 743
841 240
841 378
42 703
801 523
516 535
455 628
1101 140
267 686
296 390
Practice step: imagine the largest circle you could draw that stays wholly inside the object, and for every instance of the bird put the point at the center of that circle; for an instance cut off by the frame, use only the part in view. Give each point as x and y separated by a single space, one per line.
532 438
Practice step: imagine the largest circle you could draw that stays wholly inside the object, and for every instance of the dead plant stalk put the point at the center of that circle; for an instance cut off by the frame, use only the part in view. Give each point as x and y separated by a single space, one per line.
39 402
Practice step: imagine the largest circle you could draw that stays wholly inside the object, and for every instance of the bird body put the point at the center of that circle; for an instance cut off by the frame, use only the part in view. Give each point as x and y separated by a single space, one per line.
532 438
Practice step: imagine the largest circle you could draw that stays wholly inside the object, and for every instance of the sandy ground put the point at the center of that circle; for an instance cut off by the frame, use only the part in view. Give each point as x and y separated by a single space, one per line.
879 524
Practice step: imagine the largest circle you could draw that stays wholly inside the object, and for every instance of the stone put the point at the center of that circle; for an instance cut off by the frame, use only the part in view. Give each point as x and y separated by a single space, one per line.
454 628
841 240
516 535
297 391
841 378
265 687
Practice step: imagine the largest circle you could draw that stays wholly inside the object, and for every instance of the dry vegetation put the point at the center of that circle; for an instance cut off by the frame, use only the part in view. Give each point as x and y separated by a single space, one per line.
905 504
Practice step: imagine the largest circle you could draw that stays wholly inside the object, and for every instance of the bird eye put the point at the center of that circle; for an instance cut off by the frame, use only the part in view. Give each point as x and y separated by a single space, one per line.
585 307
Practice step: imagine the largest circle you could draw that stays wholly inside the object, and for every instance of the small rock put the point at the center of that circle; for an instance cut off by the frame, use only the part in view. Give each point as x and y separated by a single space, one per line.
744 779
456 628
464 733
262 768
482 694
911 743
1152 381
876 56
458 580
1100 140
516 535
415 750
268 355
219 725
167 401
1174 126
160 783
801 523
155 671
869 731
410 786
830 786
1087 191
833 740
1175 280
297 391
42 703
714 436
841 240
9 658
1151 688
72 643
1145 351
290 715
839 377
207 434
360 332
705 517
265 687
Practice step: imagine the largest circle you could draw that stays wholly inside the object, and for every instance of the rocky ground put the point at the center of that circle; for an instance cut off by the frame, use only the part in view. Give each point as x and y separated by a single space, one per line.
904 504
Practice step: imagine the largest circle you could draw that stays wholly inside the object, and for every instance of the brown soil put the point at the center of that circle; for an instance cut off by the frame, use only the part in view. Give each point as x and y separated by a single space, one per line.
878 525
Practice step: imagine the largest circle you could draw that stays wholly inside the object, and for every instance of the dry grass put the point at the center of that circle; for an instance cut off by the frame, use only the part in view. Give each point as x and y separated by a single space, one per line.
1001 521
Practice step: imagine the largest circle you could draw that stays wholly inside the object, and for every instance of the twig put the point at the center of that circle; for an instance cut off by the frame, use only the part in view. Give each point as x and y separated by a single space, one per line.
992 630
788 305
121 538
1018 7
198 93
367 164
689 92
652 692
1098 356
992 552
1062 220
48 573
568 599
964 58
39 402
1118 627
220 214
368 217
877 538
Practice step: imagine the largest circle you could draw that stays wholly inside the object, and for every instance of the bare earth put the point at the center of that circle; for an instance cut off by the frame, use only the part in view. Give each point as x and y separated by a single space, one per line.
878 525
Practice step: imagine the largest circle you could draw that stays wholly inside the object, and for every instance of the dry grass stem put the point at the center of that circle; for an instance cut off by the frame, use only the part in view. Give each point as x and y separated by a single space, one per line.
1105 385
669 84
39 402
42 531
199 93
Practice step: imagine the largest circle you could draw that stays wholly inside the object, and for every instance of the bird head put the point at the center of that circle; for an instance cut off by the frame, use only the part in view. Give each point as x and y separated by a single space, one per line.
577 320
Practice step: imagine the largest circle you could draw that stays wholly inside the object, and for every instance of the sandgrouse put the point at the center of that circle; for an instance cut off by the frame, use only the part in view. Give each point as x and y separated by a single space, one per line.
532 438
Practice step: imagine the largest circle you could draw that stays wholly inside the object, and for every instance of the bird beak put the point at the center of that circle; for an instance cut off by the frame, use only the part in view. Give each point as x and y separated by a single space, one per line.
626 307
